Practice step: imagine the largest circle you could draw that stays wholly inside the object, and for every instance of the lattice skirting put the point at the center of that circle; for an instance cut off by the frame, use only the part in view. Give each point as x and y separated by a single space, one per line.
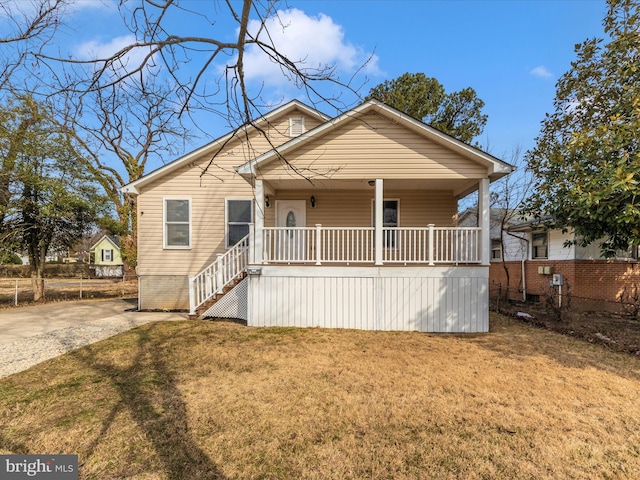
233 304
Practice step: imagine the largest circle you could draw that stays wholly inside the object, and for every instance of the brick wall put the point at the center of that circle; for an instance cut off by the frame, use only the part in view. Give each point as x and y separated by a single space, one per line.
592 279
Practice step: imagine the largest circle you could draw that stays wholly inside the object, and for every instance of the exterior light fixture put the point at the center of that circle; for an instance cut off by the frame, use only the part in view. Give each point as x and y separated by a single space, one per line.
266 201
312 200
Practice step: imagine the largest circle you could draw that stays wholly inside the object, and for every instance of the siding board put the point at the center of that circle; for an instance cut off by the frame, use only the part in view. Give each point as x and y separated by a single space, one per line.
374 145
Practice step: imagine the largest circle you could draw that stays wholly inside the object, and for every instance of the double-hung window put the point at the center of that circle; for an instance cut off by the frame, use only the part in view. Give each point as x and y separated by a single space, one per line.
177 223
239 214
496 249
540 245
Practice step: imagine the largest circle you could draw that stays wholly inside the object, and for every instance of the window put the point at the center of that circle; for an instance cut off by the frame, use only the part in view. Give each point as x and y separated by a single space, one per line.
177 223
239 216
296 126
540 245
389 219
496 249
107 255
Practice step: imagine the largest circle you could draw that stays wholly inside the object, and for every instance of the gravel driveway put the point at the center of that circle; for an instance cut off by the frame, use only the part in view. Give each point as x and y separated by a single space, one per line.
30 335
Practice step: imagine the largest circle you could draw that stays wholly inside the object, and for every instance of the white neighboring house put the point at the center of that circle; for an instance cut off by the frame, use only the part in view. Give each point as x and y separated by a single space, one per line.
515 243
345 222
548 243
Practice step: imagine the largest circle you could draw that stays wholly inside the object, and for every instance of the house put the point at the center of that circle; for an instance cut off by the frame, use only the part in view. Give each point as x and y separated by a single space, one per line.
504 243
343 222
107 257
548 255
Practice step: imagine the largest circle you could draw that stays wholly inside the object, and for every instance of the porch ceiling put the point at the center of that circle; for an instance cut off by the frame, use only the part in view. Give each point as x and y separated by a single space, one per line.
457 186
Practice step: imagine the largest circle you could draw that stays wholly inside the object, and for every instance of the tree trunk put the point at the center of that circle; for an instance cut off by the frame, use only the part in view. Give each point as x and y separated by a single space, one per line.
37 283
129 244
37 263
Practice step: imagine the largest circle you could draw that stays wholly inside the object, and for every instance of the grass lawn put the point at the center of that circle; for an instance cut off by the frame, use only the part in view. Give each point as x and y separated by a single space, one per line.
198 400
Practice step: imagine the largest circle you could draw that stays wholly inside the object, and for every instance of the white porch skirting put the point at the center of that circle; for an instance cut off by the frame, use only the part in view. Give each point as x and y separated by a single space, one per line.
426 299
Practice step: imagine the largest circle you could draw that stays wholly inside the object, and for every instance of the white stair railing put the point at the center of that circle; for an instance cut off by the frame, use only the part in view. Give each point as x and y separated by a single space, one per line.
212 280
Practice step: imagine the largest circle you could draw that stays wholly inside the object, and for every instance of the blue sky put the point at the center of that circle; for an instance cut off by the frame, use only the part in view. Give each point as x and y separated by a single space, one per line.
511 51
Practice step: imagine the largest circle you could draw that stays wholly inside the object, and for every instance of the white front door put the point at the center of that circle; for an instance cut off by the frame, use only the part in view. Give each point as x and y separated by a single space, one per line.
290 243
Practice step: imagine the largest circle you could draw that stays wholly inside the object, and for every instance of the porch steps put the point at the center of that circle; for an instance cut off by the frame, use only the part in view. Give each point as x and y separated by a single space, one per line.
203 311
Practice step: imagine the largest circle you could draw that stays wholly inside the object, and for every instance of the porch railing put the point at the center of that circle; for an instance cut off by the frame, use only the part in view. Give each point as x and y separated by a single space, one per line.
225 269
401 245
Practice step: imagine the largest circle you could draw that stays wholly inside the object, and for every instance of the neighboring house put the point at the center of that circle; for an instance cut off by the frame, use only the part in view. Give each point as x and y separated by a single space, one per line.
549 251
107 257
504 243
345 222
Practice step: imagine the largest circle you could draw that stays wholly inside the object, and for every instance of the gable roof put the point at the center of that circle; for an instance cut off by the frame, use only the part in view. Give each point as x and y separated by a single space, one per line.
496 167
218 142
114 240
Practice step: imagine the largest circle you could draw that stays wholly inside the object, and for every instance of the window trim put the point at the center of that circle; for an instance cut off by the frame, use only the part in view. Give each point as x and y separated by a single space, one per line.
226 217
534 246
165 245
110 252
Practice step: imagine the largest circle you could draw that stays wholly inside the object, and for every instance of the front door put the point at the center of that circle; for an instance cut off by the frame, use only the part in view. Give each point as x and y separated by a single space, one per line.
290 242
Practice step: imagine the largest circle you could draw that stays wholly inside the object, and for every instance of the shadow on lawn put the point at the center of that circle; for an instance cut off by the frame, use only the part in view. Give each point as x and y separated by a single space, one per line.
510 337
148 392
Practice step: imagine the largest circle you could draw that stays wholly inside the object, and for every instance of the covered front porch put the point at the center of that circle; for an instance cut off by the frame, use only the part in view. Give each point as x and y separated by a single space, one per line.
430 277
380 231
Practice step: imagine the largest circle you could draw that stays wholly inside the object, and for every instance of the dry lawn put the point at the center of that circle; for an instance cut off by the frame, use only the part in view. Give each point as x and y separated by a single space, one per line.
199 400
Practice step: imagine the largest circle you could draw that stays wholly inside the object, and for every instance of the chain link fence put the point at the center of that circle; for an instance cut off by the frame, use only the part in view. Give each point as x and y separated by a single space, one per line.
19 291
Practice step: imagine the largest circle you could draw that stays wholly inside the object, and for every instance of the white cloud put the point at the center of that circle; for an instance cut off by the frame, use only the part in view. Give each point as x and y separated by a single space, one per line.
96 49
310 41
541 71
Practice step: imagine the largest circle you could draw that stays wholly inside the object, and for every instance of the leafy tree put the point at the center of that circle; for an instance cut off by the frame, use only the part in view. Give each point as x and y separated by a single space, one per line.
458 114
587 158
9 258
50 200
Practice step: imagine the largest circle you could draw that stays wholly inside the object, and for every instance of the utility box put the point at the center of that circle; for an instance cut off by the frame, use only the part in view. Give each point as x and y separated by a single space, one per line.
557 279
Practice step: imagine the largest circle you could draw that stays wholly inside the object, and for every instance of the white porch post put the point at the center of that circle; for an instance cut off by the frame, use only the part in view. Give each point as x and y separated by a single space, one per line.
484 221
192 295
379 216
258 220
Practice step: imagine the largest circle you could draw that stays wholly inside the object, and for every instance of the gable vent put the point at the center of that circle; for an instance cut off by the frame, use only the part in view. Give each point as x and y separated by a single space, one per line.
296 126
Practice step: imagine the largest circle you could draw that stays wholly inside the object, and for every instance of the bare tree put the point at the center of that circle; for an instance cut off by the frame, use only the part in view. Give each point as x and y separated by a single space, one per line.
27 28
134 103
161 51
507 199
131 126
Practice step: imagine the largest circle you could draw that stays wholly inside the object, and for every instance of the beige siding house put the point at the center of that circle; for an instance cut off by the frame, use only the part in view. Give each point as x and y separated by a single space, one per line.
339 222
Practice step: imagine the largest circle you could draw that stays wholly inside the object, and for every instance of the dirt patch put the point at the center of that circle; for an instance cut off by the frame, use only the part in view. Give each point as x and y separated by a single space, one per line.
617 332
